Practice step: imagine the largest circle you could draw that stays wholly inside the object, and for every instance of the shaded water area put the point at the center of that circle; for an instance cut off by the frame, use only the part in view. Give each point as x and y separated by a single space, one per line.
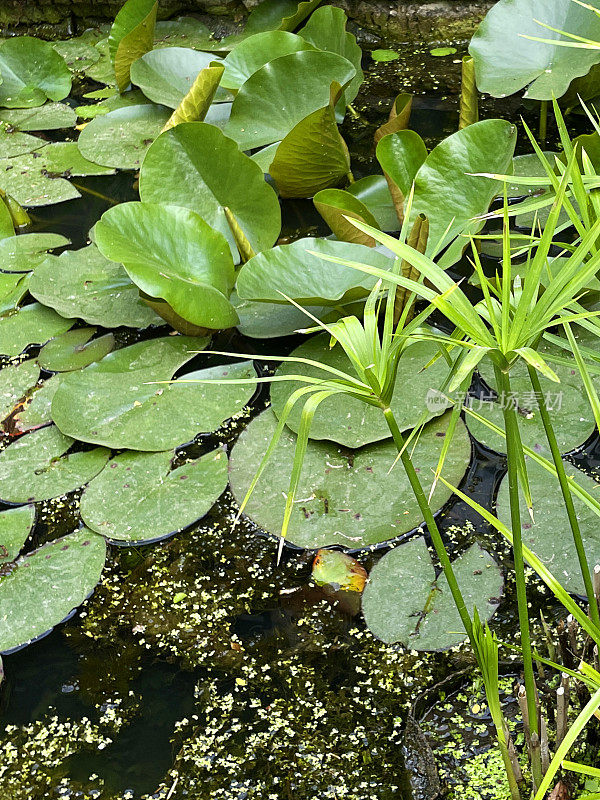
199 668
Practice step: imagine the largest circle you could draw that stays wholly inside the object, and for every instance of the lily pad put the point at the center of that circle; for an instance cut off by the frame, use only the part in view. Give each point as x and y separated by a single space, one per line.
339 571
134 97
256 51
31 324
283 15
122 137
154 500
440 52
173 254
25 252
183 32
15 382
196 166
102 71
78 53
404 602
345 497
384 55
116 403
38 179
15 143
15 527
282 93
505 61
45 586
567 401
549 535
349 421
165 76
36 466
374 193
36 409
335 205
32 72
131 35
85 284
13 289
269 320
48 117
293 270
73 350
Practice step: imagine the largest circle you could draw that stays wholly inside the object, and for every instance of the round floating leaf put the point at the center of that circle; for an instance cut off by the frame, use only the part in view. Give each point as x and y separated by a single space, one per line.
15 382
15 526
282 93
85 284
347 420
268 320
165 76
196 166
13 289
173 254
131 35
567 401
73 350
48 117
36 410
345 497
291 269
326 30
183 32
131 98
45 586
35 467
24 252
38 179
505 61
440 52
32 324
32 72
403 601
14 143
256 51
102 71
384 55
549 535
115 402
154 500
121 137
334 205
339 571
78 53
284 15
374 193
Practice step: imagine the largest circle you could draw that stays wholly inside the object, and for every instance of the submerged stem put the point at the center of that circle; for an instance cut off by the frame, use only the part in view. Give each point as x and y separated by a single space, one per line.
567 496
513 447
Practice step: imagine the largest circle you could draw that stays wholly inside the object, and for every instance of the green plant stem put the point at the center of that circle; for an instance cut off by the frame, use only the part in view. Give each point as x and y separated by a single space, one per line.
513 445
427 513
567 497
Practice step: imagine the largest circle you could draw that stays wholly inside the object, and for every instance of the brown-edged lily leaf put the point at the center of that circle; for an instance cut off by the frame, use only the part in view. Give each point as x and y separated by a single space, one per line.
398 118
16 380
339 571
334 205
313 155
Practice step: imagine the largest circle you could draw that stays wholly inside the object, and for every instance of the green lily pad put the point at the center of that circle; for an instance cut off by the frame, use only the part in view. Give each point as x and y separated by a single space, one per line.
373 192
505 61
282 93
36 411
326 30
347 420
165 76
15 527
567 401
173 254
73 350
256 51
284 15
131 35
15 382
404 602
85 284
154 500
122 137
183 32
291 269
13 289
31 324
38 179
339 571
345 497
35 467
384 55
401 154
549 535
102 71
269 320
440 52
78 53
25 252
46 585
15 143
115 403
196 166
134 97
50 116
32 72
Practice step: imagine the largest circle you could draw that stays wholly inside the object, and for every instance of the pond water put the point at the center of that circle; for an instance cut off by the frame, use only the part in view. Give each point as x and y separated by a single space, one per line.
199 668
